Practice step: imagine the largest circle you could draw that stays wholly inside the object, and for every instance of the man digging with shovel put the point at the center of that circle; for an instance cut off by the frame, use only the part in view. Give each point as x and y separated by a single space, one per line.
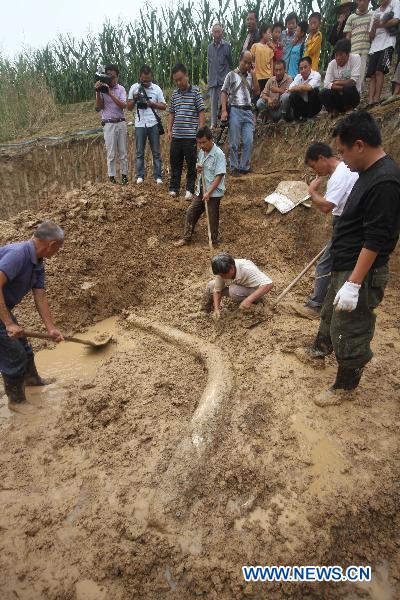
22 270
211 165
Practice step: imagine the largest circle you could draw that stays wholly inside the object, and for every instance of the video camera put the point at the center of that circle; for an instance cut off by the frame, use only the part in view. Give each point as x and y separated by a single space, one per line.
141 99
101 76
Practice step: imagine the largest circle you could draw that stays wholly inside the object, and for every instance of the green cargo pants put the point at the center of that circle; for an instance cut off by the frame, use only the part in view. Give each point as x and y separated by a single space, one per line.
351 332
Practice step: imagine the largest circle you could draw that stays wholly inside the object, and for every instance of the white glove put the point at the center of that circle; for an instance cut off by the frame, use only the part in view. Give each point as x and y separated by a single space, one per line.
347 297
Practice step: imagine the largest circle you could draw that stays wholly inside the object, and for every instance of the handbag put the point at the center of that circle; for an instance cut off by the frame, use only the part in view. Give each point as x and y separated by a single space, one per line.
160 126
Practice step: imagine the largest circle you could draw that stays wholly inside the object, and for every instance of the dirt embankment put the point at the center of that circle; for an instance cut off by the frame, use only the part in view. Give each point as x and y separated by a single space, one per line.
95 494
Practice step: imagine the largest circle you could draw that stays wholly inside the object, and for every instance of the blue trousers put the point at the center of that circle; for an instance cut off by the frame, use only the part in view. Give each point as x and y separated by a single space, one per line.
14 353
141 135
241 128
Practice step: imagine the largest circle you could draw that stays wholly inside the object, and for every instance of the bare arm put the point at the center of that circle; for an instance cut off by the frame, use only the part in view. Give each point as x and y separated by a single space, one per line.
224 105
99 97
213 187
12 328
202 118
256 295
256 86
317 198
43 308
217 296
365 261
117 101
171 118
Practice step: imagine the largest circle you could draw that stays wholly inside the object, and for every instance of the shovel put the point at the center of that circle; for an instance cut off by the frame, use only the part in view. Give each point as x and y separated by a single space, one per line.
68 338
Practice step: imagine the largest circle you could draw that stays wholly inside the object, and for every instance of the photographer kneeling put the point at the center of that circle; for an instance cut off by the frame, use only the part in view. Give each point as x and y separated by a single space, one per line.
111 101
147 96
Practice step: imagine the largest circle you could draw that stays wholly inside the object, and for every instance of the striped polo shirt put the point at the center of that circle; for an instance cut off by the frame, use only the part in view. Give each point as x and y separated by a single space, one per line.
186 107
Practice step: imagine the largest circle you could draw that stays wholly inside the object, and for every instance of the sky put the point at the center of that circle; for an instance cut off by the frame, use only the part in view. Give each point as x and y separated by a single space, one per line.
34 23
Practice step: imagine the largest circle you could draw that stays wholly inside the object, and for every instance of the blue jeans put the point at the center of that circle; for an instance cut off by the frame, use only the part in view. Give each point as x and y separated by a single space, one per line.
322 275
141 135
14 353
241 127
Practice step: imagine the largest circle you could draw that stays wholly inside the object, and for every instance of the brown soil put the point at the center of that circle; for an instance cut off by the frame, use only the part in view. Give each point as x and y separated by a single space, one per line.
104 497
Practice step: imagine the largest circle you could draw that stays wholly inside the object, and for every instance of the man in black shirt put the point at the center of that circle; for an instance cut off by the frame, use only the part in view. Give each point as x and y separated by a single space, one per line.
366 234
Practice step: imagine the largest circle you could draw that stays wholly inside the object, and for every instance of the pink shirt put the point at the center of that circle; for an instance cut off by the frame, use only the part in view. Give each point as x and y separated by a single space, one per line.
111 110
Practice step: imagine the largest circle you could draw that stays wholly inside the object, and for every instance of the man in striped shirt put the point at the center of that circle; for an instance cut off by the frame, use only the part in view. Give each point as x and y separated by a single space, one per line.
186 116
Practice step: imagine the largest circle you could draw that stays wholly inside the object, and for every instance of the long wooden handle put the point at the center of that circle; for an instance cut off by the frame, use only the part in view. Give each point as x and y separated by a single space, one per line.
47 336
299 276
207 215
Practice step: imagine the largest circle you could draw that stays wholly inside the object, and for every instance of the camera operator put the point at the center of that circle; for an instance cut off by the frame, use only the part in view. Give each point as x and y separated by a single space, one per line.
111 101
147 96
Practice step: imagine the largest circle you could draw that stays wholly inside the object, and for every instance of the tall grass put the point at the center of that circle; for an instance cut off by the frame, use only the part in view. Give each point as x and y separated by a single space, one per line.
161 36
26 102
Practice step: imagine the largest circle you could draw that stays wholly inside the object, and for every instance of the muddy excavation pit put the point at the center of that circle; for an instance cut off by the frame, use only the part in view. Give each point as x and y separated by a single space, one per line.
159 466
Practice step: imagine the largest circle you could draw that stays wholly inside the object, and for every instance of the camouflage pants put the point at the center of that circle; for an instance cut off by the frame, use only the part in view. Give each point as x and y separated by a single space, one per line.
351 332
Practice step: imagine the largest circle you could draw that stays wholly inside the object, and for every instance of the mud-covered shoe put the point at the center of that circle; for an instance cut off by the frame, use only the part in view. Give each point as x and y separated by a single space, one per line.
32 377
307 312
322 347
180 243
334 397
14 388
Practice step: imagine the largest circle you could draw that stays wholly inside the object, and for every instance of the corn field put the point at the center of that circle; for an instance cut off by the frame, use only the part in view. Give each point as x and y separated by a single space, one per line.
160 37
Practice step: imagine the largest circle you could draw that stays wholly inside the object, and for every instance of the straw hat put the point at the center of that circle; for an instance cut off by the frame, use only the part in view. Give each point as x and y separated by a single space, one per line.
343 3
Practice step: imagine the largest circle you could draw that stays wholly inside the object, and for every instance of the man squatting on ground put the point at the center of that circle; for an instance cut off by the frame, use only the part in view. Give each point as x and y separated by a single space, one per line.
239 86
302 101
271 96
186 116
112 103
320 158
147 96
363 239
22 270
212 163
236 278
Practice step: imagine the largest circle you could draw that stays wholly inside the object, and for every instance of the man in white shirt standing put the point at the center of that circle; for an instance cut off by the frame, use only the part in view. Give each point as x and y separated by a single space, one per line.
147 96
301 101
236 278
320 158
382 32
342 85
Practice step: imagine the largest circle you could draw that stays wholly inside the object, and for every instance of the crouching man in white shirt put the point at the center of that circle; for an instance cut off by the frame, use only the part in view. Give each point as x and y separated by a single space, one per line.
302 101
237 278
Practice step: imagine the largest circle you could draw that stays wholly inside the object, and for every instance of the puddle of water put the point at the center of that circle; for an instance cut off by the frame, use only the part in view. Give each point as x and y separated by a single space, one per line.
68 362
327 460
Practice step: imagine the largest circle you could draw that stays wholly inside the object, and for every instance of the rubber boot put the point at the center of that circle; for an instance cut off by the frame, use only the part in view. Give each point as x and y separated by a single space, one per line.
15 392
32 377
322 346
342 390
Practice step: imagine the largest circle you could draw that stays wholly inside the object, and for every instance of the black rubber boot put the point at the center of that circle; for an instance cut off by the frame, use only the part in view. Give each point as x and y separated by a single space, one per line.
15 392
32 377
347 379
322 346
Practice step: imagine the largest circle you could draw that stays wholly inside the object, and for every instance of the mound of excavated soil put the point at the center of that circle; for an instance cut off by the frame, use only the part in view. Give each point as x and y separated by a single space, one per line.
100 500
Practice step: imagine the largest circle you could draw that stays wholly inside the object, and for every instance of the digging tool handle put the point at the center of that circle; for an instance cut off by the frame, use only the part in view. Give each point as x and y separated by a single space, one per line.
299 276
207 216
47 336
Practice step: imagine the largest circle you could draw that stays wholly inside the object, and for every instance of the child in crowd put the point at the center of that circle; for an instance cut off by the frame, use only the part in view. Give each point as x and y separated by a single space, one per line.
314 39
276 41
263 55
297 49
288 34
357 31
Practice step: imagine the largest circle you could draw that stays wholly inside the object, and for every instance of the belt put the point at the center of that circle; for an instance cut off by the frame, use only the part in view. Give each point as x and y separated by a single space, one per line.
112 121
242 106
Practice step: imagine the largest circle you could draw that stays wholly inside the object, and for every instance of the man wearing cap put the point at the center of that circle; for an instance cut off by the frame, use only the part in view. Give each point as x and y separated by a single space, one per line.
236 278
22 270
344 10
